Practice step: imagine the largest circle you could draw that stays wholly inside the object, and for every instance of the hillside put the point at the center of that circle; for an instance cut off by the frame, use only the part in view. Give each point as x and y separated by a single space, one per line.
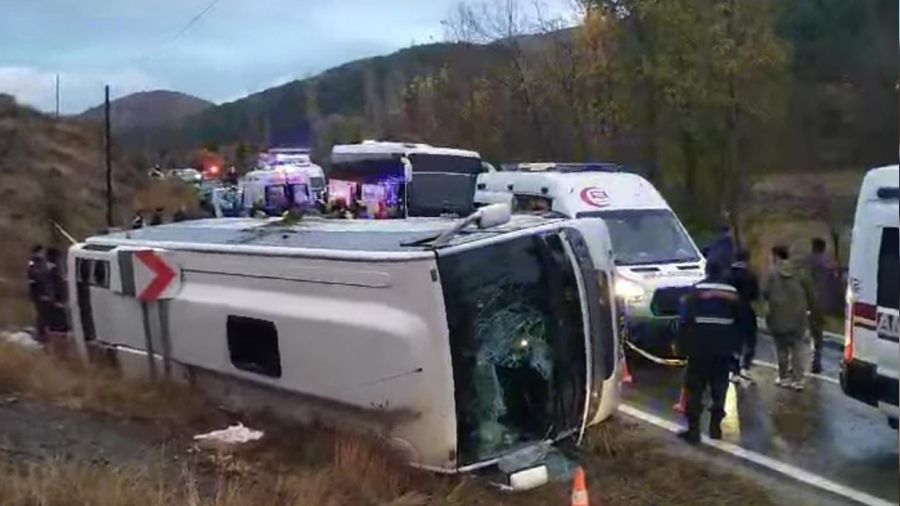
148 109
49 170
350 96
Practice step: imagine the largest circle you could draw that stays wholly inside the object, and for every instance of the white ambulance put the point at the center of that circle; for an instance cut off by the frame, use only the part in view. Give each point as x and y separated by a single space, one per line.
278 188
460 341
869 369
656 259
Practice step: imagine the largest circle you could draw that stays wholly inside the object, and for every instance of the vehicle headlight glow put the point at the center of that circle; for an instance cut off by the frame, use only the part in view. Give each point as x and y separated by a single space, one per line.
630 291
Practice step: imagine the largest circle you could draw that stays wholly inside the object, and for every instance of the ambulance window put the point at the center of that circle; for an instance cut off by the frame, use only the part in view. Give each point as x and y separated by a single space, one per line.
253 345
532 204
889 270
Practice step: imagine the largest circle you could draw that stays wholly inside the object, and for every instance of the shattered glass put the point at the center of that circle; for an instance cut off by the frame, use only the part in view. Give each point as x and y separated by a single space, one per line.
517 343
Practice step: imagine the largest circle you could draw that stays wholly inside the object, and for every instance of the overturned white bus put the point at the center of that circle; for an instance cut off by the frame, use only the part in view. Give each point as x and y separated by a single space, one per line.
458 340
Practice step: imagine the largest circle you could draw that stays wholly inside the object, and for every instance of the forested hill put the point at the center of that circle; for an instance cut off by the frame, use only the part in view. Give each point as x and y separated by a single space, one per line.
702 93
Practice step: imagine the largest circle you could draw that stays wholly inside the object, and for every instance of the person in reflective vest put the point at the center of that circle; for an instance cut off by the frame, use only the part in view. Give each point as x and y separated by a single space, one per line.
710 318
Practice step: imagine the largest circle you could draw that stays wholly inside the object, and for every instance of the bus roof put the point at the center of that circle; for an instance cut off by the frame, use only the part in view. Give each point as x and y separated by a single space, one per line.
399 148
312 234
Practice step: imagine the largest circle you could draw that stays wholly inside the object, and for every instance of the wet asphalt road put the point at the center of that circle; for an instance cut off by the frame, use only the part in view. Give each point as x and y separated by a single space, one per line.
819 430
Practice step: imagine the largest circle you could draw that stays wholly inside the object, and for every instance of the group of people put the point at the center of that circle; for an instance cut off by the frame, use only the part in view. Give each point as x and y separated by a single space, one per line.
47 291
719 321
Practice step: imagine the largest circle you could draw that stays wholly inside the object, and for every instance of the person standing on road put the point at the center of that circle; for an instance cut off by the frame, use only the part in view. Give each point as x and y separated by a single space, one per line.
791 305
710 317
822 272
37 279
746 283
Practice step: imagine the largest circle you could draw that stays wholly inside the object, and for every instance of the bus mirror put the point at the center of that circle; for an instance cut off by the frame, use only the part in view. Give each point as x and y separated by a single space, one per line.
494 215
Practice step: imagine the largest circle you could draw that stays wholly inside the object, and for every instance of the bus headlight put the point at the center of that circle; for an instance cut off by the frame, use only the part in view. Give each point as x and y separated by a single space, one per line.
630 291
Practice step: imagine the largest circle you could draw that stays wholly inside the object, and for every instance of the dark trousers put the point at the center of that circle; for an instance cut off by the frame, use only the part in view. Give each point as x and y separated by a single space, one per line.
702 373
41 318
817 337
748 331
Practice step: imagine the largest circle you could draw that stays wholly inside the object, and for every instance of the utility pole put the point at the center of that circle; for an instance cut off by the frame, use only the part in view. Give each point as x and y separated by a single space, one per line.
57 96
109 189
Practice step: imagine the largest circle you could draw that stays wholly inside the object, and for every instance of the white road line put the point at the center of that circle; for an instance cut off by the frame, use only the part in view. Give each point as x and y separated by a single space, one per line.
762 460
808 375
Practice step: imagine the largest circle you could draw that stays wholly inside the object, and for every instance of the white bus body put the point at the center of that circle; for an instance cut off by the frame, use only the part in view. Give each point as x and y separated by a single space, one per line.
457 354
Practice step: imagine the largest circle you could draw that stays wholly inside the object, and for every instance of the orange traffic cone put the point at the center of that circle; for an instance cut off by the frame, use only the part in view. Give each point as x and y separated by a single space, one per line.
579 489
626 374
681 405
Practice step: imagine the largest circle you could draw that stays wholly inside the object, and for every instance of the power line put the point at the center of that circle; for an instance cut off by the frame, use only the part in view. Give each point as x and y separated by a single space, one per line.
184 29
194 20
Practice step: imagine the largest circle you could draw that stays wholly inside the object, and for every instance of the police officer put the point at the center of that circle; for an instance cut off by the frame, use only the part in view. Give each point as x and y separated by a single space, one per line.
710 316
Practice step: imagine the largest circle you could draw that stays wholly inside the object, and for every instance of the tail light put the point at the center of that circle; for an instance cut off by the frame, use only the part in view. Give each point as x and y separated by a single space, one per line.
848 326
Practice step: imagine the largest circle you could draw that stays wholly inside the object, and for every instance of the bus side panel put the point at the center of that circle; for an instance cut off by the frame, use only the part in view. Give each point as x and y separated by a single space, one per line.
361 344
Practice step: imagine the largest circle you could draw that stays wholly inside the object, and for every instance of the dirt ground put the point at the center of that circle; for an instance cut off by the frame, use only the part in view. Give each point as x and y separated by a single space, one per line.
627 464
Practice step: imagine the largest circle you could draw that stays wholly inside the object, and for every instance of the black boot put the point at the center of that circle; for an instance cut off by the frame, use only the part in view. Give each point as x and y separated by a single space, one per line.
715 429
816 366
692 434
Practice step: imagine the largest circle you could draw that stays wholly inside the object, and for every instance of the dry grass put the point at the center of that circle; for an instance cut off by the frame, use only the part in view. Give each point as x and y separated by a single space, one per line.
69 383
170 195
626 463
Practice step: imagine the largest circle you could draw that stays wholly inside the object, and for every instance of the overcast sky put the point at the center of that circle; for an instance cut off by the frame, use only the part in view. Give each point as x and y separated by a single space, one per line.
236 48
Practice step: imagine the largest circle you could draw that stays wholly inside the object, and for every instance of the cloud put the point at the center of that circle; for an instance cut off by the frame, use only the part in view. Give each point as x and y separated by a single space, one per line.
78 90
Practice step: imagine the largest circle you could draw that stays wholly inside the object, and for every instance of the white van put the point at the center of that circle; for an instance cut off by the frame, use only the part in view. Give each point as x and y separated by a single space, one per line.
457 340
656 259
869 370
277 189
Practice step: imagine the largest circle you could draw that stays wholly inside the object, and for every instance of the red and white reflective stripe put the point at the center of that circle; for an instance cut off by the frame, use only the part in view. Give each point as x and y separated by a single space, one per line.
865 315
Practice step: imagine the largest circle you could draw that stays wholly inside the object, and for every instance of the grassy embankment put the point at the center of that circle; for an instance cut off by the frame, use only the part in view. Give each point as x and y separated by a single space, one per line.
625 463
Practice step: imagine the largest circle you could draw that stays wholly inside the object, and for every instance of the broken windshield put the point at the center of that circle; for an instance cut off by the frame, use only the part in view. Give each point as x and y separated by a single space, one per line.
517 343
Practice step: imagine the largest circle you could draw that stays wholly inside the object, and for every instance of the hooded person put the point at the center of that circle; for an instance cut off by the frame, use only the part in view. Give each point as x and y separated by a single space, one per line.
791 306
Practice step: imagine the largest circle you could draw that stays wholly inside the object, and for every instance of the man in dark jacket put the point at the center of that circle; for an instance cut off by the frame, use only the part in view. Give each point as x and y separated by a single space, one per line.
745 282
822 272
710 317
56 293
37 280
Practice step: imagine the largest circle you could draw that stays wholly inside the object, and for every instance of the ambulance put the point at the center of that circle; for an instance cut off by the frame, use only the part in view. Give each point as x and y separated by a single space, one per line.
463 342
657 262
869 370
278 188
